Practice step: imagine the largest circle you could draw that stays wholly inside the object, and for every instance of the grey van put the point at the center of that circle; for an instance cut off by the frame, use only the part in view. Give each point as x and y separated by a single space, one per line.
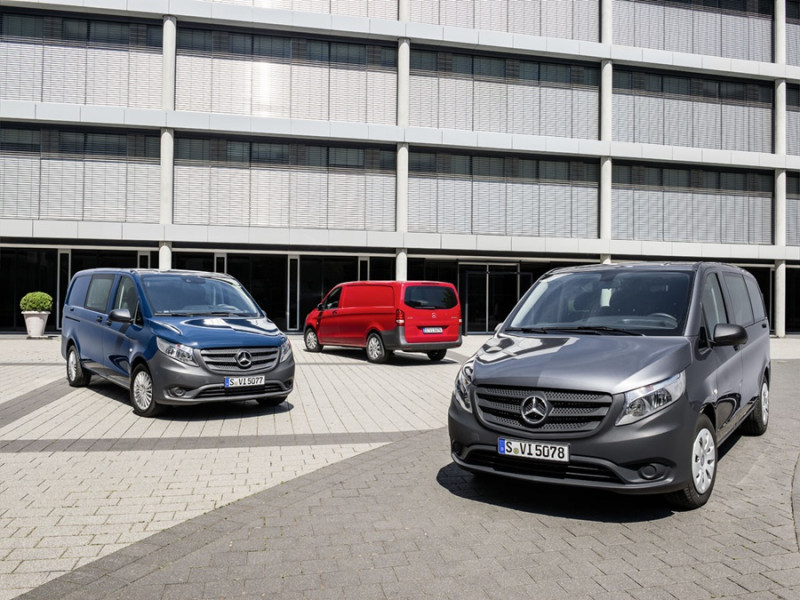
619 377
173 337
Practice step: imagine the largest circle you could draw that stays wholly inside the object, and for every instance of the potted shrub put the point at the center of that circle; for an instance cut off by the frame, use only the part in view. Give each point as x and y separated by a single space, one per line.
36 308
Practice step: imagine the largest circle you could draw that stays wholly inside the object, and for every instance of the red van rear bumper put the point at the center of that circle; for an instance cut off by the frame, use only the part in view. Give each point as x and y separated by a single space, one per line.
396 340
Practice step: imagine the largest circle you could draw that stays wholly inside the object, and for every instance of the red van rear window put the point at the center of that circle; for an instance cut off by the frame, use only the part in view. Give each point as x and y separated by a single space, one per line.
431 297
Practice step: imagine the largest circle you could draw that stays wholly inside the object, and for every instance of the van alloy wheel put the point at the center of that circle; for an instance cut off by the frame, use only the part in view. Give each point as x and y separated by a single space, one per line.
76 376
375 350
703 467
312 341
142 393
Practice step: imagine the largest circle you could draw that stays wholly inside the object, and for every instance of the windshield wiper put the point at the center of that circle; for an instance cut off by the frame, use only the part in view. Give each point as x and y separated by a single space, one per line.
598 329
528 329
173 313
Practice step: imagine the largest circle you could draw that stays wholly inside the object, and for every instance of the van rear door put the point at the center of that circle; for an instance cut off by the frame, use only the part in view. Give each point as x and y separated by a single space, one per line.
432 311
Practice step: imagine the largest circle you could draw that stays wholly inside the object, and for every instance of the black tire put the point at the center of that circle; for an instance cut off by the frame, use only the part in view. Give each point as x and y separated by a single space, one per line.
436 355
702 457
757 421
376 353
312 341
274 401
76 375
142 399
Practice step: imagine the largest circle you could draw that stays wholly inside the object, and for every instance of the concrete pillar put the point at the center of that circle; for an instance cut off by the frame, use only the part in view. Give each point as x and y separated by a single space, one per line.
780 32
168 69
605 197
606 100
607 21
404 10
167 166
170 40
164 256
401 213
606 259
779 130
779 317
403 81
401 265
779 228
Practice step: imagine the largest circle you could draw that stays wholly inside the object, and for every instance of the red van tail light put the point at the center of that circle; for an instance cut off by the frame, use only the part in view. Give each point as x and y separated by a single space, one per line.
400 317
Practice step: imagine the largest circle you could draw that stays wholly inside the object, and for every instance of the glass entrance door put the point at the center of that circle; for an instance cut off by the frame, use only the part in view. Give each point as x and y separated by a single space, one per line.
488 293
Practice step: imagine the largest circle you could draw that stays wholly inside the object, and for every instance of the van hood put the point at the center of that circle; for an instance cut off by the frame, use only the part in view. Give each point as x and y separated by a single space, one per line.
597 363
218 332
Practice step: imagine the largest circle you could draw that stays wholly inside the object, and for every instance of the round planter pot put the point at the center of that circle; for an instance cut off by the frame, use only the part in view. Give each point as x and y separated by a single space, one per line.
35 322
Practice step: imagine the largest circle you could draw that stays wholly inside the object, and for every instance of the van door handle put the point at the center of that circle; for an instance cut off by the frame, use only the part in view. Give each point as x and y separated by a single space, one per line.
99 318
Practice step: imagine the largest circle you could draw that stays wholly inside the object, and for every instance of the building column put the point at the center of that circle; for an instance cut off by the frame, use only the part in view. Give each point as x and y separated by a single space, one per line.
164 256
401 265
607 21
401 215
403 81
606 170
403 10
168 72
779 318
780 32
606 100
168 67
779 236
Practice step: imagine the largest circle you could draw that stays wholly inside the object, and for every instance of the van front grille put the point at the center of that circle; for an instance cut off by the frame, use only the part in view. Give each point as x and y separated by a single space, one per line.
540 469
500 407
224 360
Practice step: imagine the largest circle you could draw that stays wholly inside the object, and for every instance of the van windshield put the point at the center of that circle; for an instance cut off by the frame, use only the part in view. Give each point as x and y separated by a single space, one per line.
606 302
432 297
197 295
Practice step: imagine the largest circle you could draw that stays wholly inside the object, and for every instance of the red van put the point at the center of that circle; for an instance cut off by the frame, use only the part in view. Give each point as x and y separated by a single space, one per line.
383 316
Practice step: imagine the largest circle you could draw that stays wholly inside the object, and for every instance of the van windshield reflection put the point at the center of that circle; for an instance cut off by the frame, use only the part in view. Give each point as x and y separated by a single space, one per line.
196 295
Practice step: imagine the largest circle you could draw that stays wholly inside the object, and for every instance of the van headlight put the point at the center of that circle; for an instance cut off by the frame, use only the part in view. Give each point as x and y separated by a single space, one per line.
649 399
179 352
286 350
463 385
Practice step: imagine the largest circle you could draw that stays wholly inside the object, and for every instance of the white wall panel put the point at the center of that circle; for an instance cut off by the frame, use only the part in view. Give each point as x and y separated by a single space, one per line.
455 103
736 127
230 196
104 192
793 132
585 114
348 95
310 92
21 71
736 219
624 16
272 90
707 125
649 117
760 129
678 29
489 207
678 217
232 86
456 13
623 117
622 213
107 77
143 191
193 83
425 11
525 16
491 14
793 44
793 221
523 109
309 199
648 25
64 74
352 8
347 199
707 27
557 19
735 42
270 198
678 122
586 20
454 205
707 218
555 118
648 215
20 178
423 101
760 220
422 205
584 211
383 9
490 108
555 210
381 194
381 98
61 190
192 203
760 35
523 209
144 82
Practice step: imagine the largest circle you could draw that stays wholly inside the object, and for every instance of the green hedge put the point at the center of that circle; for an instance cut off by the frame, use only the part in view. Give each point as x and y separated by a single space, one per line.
36 301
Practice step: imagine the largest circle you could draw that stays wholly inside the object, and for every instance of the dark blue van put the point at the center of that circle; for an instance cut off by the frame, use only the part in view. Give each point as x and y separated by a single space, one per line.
173 337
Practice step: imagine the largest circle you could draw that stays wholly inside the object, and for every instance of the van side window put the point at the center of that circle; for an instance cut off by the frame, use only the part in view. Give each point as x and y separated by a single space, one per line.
126 296
77 293
713 304
756 299
332 301
99 291
740 299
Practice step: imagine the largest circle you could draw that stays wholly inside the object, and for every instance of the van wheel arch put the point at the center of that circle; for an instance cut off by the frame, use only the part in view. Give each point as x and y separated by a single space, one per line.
376 351
311 340
77 376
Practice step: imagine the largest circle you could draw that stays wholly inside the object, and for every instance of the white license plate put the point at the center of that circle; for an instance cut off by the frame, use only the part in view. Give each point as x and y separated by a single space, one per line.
534 450
244 381
432 330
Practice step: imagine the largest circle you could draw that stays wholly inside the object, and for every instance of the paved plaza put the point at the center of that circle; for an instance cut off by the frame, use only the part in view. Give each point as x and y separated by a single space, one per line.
348 491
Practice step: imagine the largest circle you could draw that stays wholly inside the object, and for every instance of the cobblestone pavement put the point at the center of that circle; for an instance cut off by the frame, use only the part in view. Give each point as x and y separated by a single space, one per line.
348 491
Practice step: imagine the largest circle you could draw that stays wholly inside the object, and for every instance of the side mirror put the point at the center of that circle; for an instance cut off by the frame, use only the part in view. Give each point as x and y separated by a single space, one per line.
120 315
320 307
728 334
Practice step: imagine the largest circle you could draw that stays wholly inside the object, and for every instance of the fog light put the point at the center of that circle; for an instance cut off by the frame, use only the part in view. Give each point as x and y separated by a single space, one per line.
651 471
177 391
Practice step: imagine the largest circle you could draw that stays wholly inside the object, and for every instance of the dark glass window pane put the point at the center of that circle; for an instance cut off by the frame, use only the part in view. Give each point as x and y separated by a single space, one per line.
103 144
276 154
424 61
22 26
275 47
74 29
108 32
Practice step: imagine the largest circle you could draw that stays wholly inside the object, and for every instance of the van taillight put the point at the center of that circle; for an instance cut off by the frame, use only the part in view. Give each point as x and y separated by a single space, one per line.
400 317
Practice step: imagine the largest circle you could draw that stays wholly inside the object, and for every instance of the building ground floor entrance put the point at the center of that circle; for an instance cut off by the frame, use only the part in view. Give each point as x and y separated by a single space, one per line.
289 285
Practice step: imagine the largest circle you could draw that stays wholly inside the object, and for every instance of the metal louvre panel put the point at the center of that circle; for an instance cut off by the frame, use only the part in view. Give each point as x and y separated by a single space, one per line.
229 203
381 97
347 199
555 115
322 6
144 79
586 20
425 11
623 117
21 71
193 83
456 13
491 106
523 109
310 92
679 216
793 221
424 101
706 125
232 86
309 199
649 25
104 192
737 221
271 89
793 132
707 33
760 220
585 200
622 214
382 9
491 14
735 36
737 126
649 117
489 207
793 44
678 27
760 46
524 16
557 19
422 205
381 193
20 178
348 95
64 74
454 205
143 192
678 122
107 77
61 190
555 210
707 217
523 209
648 214
455 103
624 16
351 8
192 195
277 4
270 197
760 133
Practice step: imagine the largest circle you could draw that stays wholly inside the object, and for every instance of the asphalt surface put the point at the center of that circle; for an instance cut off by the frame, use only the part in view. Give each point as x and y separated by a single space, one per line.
348 491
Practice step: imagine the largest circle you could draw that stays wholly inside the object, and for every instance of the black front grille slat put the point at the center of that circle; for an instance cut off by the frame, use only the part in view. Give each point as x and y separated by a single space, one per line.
534 468
571 412
223 392
223 360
